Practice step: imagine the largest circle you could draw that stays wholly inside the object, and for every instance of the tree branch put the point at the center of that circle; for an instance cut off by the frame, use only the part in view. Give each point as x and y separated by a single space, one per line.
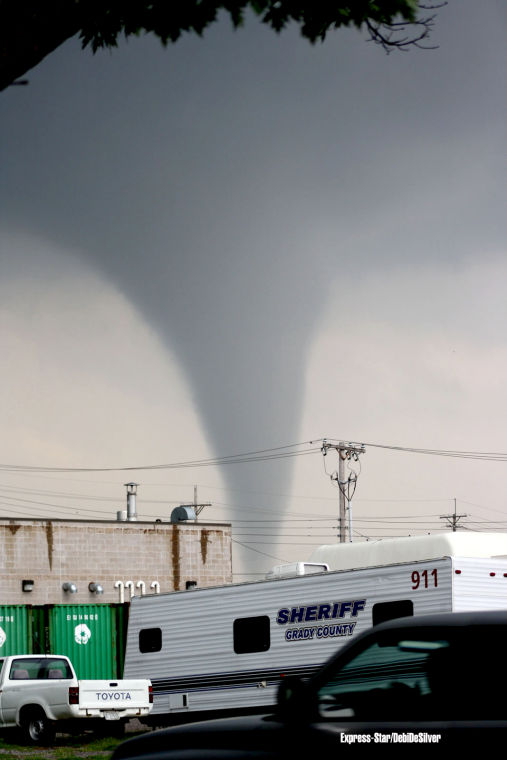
31 29
400 35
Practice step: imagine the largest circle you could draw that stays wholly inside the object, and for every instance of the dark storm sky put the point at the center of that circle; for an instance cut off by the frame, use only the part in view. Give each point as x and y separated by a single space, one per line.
236 187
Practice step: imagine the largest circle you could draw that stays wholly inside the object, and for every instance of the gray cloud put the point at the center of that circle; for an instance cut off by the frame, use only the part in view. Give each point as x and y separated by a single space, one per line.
233 186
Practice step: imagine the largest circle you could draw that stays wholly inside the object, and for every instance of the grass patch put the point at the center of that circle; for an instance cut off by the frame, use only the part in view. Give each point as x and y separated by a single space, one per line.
86 746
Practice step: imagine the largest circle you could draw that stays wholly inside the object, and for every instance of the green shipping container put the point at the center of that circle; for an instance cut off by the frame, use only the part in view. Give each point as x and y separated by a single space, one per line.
39 645
15 629
91 635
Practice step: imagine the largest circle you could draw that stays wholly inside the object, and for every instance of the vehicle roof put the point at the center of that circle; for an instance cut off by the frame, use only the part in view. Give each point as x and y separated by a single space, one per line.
446 619
36 656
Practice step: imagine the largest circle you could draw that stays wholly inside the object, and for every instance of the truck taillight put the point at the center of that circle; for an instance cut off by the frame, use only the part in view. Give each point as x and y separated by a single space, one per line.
73 695
150 694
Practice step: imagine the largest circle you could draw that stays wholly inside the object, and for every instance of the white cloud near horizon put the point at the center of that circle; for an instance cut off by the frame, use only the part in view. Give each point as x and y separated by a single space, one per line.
85 381
414 359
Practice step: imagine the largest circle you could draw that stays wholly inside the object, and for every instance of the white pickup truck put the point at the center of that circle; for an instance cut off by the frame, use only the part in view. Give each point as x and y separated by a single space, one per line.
36 691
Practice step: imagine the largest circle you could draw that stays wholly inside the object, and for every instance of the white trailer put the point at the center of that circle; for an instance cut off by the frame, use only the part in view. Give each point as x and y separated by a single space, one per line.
226 648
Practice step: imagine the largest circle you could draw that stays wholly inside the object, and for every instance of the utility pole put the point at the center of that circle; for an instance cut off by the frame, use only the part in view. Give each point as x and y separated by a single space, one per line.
453 519
347 486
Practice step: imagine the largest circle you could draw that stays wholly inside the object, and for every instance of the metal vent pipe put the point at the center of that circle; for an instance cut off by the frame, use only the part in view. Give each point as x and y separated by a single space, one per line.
131 501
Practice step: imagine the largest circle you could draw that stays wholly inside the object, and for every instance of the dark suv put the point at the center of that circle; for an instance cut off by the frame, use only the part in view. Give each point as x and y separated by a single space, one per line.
430 682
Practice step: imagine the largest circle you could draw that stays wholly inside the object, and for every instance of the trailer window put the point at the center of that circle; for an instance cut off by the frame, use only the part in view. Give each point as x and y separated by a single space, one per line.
150 640
251 634
391 610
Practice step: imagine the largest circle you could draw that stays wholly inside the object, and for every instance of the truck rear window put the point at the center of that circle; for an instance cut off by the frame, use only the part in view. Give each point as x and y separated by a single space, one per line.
34 668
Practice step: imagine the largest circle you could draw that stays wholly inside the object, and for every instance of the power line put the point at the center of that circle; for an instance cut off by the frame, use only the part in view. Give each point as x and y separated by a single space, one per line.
482 455
278 543
81 497
480 506
257 550
262 455
292 519
63 495
285 535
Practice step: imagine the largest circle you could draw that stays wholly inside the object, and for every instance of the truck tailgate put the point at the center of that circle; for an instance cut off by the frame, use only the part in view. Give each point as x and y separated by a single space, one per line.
113 695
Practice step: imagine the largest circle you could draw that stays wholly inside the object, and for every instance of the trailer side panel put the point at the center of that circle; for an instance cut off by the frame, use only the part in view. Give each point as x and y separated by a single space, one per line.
228 647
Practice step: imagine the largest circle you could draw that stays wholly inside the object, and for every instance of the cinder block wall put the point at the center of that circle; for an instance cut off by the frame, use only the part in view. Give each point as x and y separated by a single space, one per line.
51 552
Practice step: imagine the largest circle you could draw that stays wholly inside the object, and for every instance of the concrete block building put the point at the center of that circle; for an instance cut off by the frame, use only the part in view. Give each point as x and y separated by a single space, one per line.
88 562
